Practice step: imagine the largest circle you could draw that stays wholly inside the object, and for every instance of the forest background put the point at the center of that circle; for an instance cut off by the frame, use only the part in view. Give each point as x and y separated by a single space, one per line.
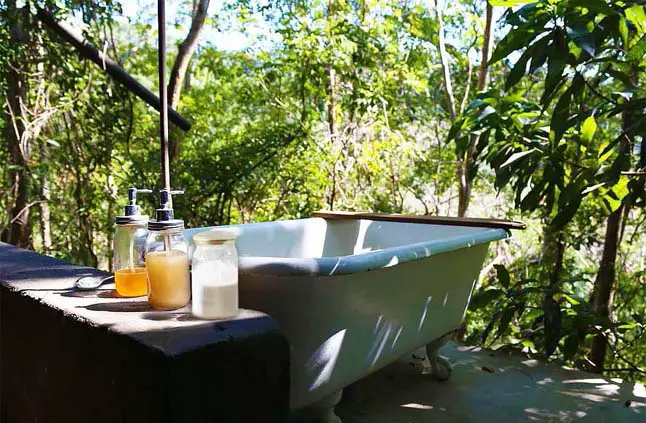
511 109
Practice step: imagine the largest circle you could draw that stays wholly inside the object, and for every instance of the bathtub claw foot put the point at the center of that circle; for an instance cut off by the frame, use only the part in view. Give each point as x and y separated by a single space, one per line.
322 411
440 367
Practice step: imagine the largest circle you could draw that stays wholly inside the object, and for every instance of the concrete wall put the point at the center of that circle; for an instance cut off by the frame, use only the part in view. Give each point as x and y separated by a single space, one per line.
72 356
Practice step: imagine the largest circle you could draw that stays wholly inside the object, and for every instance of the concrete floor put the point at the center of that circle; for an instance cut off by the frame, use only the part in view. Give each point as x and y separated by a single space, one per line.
490 387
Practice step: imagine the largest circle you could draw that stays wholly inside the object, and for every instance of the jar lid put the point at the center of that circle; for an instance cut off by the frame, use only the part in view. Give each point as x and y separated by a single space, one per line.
161 225
131 220
215 236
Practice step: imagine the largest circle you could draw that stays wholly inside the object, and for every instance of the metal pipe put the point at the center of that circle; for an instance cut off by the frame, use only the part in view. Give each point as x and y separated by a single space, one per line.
88 51
163 94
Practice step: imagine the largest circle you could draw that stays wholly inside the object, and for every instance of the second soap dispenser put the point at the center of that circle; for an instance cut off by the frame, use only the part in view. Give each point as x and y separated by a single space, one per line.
167 263
129 249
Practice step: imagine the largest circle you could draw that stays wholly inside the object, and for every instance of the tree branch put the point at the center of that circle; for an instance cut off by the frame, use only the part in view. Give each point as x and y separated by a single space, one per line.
444 61
185 52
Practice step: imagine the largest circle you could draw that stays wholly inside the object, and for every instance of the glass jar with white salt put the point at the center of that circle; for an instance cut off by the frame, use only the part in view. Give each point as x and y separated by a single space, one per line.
215 274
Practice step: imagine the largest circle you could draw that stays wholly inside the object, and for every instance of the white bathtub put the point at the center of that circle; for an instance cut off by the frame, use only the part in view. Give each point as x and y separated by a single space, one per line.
352 296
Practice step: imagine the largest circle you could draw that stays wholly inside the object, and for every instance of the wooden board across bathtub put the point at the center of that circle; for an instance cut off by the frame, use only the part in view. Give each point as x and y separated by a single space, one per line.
434 220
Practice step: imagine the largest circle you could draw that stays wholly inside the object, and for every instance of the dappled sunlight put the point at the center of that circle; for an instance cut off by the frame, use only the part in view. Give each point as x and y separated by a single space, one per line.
393 261
591 381
586 396
535 414
382 331
324 359
639 390
397 335
361 236
424 312
336 266
416 406
609 389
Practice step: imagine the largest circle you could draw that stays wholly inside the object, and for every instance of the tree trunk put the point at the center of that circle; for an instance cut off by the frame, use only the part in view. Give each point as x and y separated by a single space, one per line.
466 163
552 254
331 110
487 46
17 135
45 197
331 107
85 242
604 284
184 55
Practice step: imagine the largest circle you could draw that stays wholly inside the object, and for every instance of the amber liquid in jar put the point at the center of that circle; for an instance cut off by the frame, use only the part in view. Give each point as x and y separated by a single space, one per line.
169 285
131 282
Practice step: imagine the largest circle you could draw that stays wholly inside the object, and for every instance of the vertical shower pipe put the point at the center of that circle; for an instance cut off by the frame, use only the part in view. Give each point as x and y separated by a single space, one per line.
163 94
163 112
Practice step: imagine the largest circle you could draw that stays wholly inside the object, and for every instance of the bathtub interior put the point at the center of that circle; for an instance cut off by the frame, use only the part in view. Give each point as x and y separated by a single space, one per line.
319 238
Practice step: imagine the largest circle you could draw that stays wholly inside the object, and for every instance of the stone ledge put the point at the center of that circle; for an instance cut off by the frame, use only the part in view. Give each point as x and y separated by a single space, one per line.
79 356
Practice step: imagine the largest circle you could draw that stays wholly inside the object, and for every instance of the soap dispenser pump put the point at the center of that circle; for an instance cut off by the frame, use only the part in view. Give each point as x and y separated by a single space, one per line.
129 248
167 263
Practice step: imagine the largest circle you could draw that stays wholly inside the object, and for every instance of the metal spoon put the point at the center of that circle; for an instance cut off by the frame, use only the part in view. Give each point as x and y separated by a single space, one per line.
92 282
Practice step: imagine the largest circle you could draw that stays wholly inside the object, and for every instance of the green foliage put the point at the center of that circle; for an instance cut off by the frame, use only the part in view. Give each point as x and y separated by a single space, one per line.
566 154
523 320
343 107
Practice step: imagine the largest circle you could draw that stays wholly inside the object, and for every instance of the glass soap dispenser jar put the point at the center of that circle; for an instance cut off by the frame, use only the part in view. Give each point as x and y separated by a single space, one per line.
215 274
129 249
167 263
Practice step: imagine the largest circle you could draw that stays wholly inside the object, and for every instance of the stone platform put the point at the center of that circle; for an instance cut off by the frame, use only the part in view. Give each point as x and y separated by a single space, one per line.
490 387
88 356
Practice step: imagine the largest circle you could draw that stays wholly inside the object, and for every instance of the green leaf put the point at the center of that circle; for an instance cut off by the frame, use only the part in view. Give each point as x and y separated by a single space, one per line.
487 331
455 129
622 28
567 212
505 319
621 76
540 54
582 38
531 200
615 196
509 3
503 275
636 15
571 300
485 112
593 188
588 129
520 67
514 40
559 121
561 116
638 51
555 66
599 6
516 156
627 326
483 298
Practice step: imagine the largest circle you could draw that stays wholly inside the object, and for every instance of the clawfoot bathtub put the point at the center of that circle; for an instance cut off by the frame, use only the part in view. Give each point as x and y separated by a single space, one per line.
354 295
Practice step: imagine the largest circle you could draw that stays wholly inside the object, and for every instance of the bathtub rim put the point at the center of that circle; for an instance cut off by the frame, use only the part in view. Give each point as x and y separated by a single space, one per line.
356 263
